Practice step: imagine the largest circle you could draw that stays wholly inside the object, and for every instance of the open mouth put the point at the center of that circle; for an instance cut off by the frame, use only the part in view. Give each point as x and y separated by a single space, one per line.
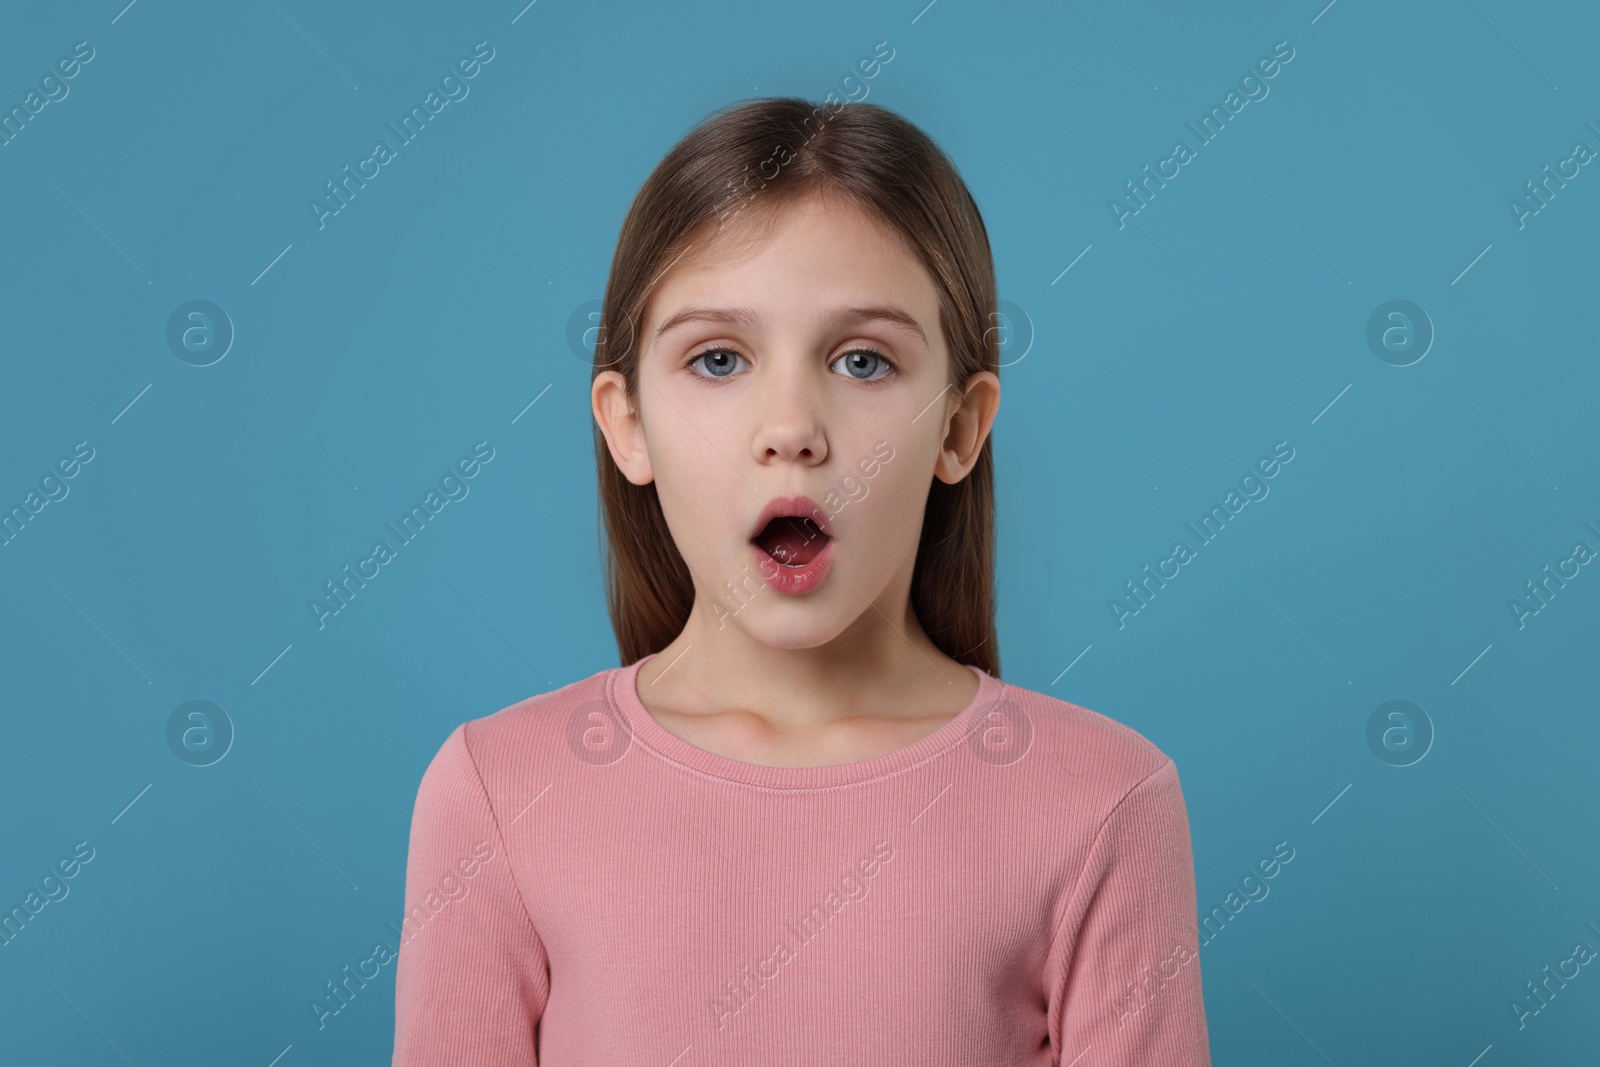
792 540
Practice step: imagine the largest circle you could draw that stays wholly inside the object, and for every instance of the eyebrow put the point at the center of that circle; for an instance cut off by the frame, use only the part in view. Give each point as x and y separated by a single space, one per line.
744 316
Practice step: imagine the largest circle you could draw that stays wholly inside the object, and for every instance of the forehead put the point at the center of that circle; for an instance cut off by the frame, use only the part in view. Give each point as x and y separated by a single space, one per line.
797 257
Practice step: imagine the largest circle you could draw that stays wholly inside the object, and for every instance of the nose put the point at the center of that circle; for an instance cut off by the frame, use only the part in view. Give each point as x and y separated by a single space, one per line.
789 414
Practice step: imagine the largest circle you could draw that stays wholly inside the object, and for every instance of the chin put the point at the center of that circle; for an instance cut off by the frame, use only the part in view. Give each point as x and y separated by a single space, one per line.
791 626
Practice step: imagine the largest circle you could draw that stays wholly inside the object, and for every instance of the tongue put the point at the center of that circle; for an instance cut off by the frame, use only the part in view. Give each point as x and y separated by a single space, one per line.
793 542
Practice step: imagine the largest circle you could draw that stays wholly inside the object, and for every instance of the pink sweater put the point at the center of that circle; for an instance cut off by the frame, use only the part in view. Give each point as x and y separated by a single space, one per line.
585 887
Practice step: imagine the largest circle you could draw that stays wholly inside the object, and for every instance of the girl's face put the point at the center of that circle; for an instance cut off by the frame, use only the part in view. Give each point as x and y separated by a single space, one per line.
808 364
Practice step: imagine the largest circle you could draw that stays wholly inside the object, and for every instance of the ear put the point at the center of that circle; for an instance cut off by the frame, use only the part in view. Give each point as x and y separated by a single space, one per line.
967 427
619 422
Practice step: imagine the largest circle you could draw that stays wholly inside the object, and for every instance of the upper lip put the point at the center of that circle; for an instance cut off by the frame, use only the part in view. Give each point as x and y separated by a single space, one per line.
792 507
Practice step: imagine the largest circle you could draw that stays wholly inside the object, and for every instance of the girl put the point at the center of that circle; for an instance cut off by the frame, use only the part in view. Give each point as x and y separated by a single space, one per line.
806 823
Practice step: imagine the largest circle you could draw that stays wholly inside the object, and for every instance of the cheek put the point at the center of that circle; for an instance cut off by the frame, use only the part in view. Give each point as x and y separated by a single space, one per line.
890 503
695 486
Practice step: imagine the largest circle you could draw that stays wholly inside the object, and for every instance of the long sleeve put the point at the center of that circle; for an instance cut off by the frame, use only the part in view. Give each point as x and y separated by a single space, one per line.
472 976
1124 966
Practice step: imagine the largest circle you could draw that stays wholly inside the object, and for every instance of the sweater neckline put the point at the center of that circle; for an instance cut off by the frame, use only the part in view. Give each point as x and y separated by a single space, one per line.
624 695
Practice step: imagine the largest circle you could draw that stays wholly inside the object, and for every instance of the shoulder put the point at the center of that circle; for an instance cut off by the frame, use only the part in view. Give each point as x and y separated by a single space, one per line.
523 738
1084 753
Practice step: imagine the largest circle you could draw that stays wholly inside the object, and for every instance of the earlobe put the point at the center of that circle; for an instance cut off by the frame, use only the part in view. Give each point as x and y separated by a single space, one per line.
619 424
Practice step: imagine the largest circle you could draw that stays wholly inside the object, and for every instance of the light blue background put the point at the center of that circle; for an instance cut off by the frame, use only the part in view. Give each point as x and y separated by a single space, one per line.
1227 315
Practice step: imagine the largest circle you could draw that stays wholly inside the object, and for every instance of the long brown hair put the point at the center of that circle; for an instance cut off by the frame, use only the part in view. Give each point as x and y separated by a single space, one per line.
757 156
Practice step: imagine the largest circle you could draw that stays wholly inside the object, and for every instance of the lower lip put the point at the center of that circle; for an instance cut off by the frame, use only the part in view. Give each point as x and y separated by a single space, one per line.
793 581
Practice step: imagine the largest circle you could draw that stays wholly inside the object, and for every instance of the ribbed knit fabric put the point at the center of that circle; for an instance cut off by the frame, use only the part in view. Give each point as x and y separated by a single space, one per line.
584 887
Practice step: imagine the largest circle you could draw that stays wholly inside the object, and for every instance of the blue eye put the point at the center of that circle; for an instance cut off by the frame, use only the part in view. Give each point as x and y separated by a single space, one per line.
862 362
865 365
720 358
